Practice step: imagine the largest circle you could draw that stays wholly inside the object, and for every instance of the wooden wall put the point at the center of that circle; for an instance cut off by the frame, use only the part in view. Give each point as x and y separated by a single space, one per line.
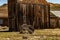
12 15
39 13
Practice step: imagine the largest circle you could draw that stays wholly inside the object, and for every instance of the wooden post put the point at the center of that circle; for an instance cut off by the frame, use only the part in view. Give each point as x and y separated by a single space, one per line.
49 15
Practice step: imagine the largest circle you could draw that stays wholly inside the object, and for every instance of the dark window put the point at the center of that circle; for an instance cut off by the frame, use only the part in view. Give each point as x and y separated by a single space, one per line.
1 21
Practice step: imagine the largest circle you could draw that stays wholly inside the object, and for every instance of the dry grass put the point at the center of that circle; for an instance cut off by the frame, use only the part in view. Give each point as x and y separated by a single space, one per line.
46 34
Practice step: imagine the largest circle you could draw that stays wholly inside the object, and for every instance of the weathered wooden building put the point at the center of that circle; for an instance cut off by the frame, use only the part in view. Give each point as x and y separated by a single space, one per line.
54 21
4 15
37 14
59 22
